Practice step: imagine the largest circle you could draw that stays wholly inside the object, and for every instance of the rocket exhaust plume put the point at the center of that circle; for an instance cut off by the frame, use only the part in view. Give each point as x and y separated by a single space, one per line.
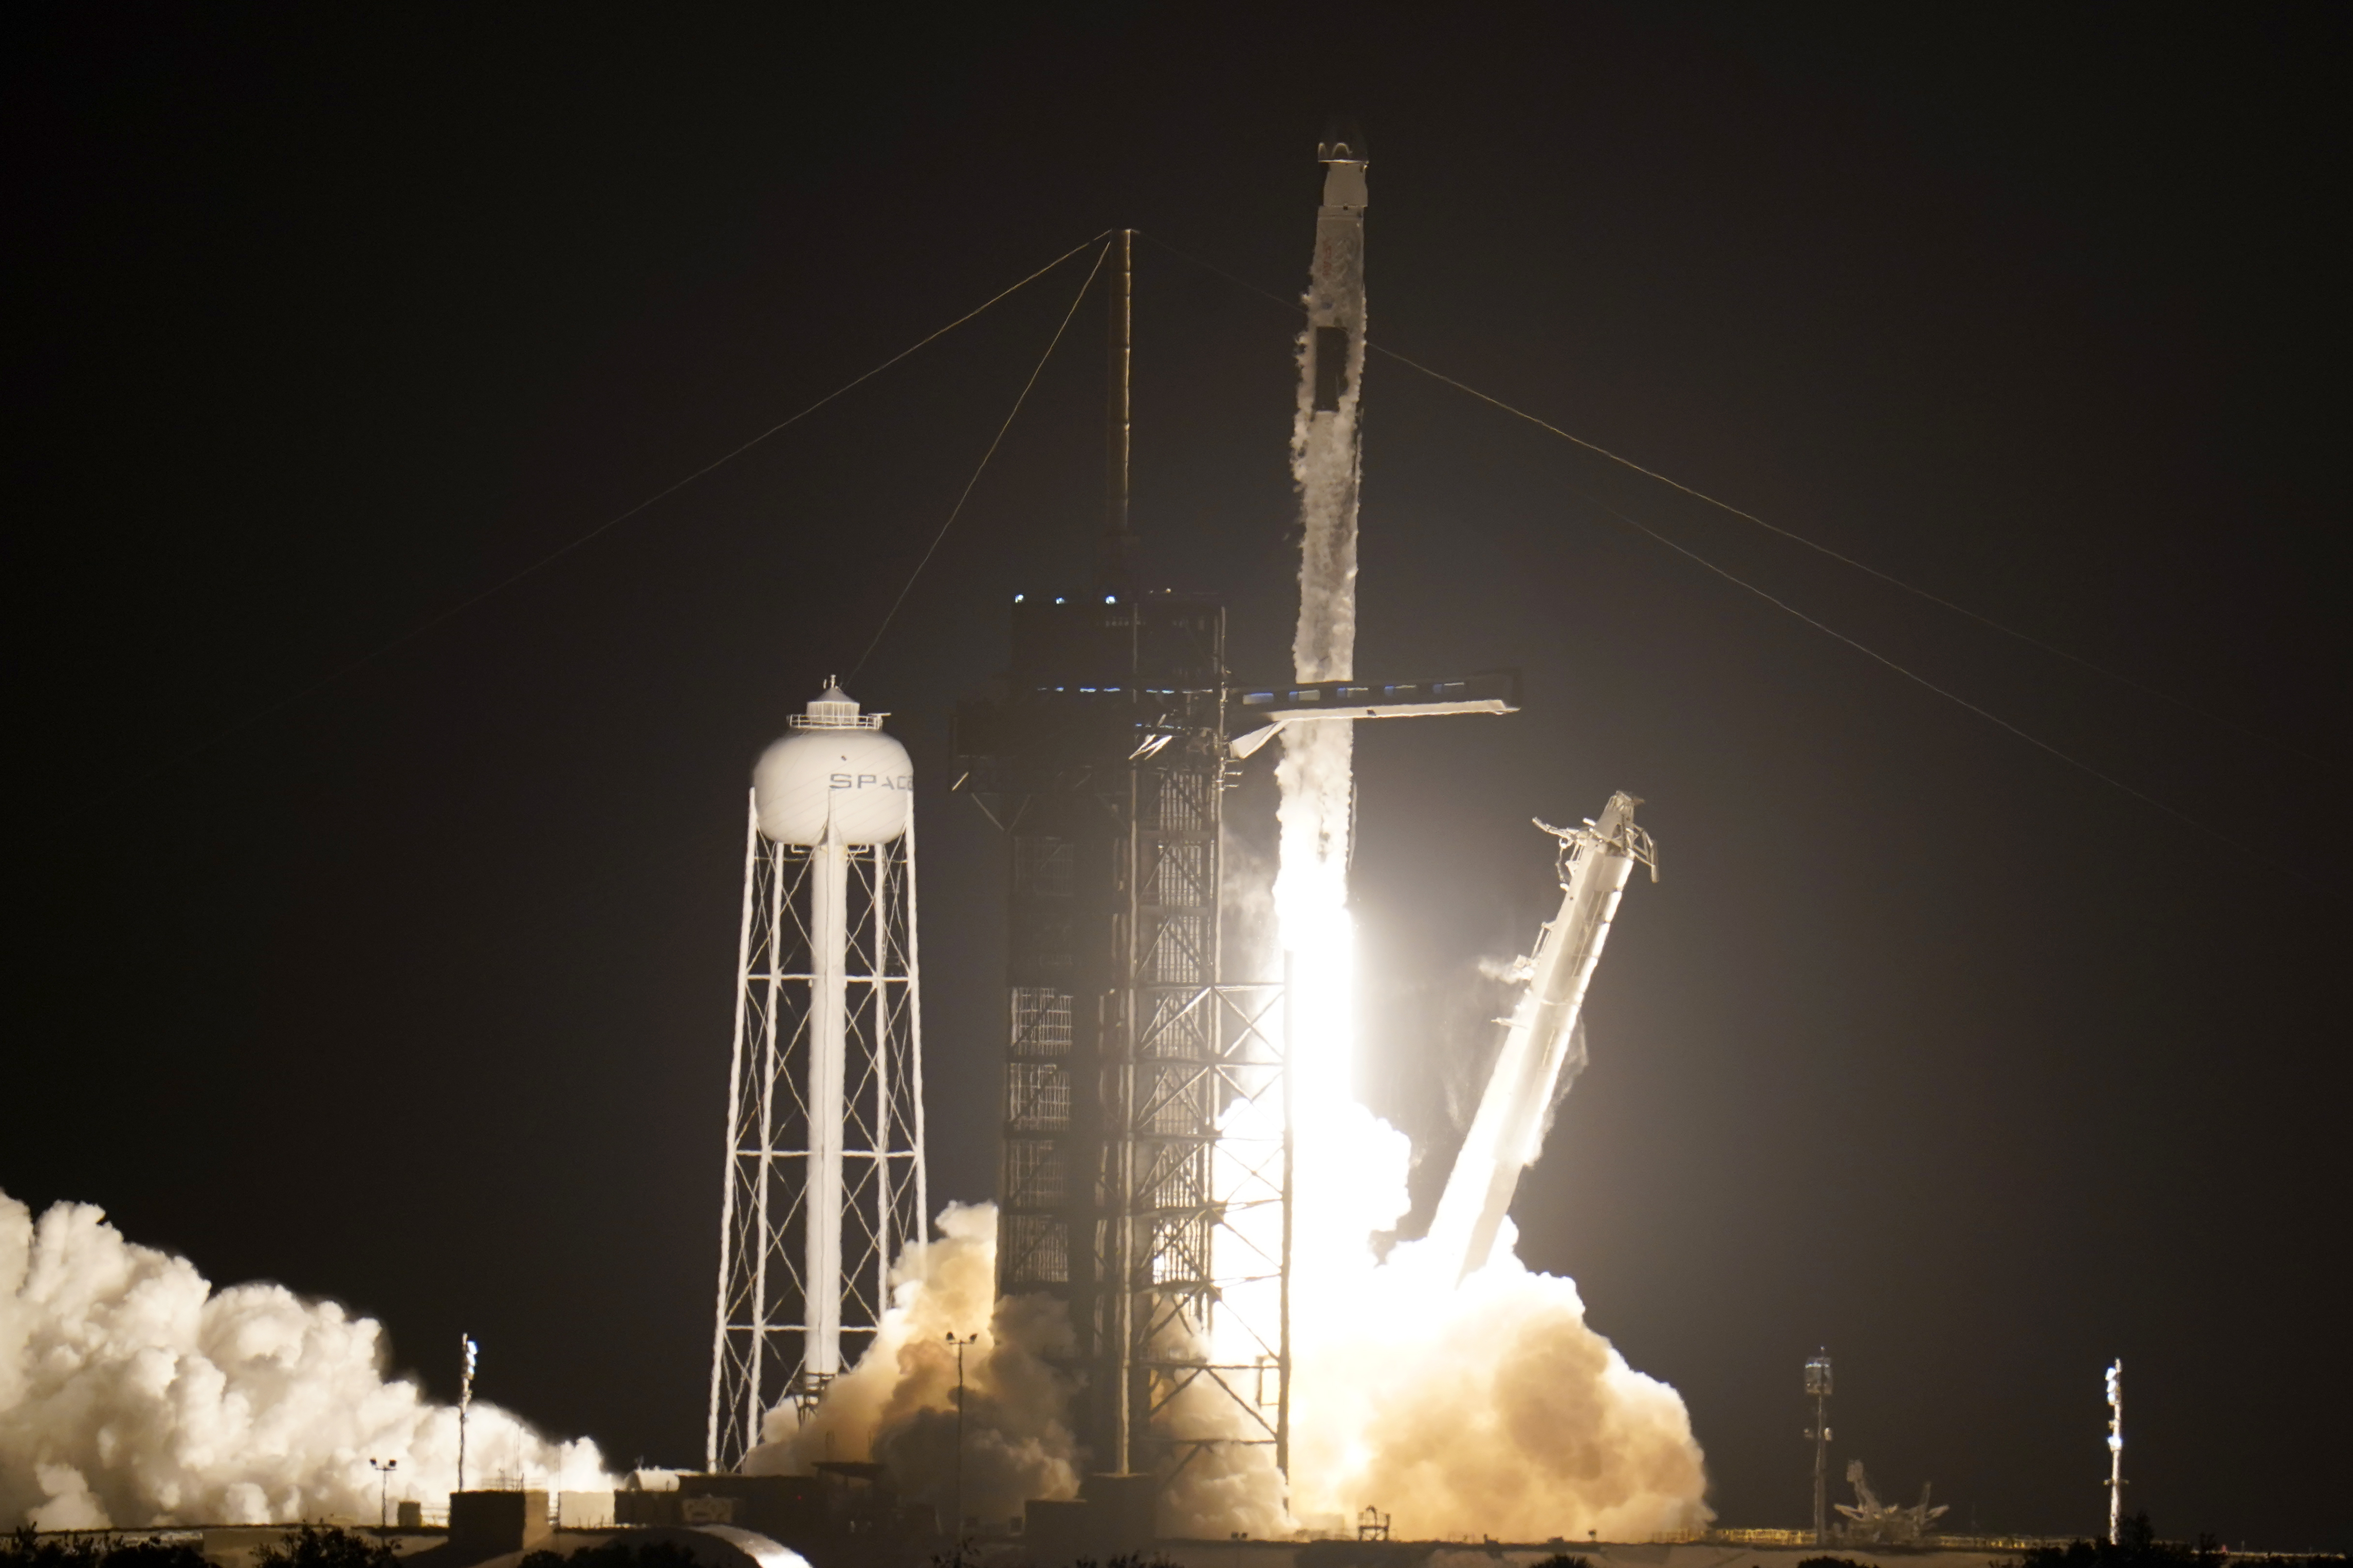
1546 1430
897 1406
132 1394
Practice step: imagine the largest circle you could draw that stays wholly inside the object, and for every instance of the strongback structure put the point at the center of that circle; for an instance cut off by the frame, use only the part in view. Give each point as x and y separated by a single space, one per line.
1103 758
825 1142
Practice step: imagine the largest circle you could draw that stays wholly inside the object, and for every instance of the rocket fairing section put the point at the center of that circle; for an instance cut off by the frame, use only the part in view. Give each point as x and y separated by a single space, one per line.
1508 1132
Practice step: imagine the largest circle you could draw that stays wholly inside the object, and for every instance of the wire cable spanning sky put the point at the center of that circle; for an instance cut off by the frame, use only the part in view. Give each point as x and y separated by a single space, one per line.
998 440
560 551
618 519
1794 537
614 521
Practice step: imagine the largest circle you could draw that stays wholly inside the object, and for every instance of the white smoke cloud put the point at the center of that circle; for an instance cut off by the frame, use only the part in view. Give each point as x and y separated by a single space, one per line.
132 1394
1486 1408
897 1405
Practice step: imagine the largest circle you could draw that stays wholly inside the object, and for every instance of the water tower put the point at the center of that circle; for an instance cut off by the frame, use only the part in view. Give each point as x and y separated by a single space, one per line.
825 1119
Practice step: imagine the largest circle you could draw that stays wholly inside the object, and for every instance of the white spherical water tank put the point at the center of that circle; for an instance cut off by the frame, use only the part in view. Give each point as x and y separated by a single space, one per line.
836 761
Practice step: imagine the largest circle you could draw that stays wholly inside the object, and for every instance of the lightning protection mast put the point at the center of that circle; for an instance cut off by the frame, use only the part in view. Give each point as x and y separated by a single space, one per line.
825 1108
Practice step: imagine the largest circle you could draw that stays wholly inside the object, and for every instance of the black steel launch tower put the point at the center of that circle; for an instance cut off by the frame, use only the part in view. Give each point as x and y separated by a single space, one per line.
1101 755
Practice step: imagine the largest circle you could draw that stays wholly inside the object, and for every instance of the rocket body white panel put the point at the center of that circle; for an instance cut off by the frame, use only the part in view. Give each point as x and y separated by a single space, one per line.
1507 1133
859 780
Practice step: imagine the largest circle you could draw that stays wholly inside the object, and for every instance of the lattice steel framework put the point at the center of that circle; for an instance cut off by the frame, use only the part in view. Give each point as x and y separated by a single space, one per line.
794 1311
1143 1178
1213 1183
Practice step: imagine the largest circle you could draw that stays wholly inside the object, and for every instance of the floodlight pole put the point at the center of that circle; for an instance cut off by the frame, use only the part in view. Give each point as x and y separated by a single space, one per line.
957 1524
383 1469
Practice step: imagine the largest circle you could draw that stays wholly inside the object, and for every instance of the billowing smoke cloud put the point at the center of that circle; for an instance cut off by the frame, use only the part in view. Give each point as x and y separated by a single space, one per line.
1484 1408
897 1406
132 1394
1488 1408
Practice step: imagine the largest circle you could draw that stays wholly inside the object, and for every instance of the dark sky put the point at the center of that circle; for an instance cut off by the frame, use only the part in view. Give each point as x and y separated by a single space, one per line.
1929 1048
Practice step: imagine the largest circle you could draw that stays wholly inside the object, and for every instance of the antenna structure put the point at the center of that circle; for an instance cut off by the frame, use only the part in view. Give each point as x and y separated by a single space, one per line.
1817 1383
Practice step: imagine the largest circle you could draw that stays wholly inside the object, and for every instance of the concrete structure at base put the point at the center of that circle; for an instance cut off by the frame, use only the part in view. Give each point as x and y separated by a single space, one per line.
847 1513
485 1523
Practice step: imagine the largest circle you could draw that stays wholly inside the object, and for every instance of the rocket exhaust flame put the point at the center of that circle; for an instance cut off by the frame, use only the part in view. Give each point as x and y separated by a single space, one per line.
1548 1431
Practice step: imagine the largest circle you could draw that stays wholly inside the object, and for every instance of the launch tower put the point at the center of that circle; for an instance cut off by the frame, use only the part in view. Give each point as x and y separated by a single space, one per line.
824 1121
1147 1157
1103 757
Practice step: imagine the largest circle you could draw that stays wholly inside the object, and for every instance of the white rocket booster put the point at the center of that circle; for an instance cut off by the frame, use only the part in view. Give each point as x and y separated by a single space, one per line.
1508 1132
1316 774
1324 454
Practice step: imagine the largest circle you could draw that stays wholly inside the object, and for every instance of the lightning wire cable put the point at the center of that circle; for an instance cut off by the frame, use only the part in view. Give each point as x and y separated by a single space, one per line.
1787 608
560 551
1749 517
1911 674
958 510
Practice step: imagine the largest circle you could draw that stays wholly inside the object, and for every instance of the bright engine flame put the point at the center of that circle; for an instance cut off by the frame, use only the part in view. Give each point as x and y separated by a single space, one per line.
1484 1408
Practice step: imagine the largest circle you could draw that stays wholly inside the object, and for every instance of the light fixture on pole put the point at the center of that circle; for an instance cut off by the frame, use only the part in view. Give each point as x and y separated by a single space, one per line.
383 1469
956 1526
1817 1383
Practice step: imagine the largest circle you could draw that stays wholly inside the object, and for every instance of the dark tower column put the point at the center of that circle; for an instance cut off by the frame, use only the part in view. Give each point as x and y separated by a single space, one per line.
1103 760
1101 754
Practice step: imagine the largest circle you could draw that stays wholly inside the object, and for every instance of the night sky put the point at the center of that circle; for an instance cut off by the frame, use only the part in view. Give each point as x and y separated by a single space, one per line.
413 988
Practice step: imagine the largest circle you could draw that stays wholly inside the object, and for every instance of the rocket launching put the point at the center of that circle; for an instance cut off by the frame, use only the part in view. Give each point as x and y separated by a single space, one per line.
1179 1280
1507 1134
1548 1431
1315 773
